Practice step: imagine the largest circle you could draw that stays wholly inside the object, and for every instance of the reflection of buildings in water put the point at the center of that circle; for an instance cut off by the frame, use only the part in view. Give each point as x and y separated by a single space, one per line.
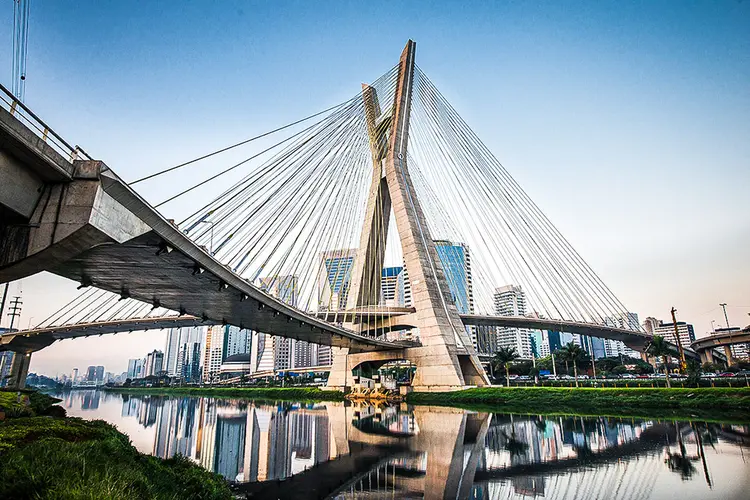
85 400
90 400
176 428
130 407
230 445
532 441
626 480
240 442
149 410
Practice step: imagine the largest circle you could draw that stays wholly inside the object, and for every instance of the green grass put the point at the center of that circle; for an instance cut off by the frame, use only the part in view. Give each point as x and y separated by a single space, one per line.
715 403
47 458
260 393
29 404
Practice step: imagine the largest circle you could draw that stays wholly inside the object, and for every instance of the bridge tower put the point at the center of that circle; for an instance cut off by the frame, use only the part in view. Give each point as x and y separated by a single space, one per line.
447 359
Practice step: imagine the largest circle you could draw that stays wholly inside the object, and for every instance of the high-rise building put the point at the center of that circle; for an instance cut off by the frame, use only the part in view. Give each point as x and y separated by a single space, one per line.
627 321
190 362
188 359
325 355
154 363
132 369
456 262
95 373
486 339
213 353
650 324
404 287
594 346
510 300
236 341
172 351
685 331
74 375
555 342
389 289
540 343
334 279
288 353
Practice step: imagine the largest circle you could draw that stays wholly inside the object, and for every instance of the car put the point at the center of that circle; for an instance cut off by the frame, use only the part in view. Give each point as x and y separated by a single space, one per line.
552 377
726 374
583 377
708 375
627 375
524 377
642 376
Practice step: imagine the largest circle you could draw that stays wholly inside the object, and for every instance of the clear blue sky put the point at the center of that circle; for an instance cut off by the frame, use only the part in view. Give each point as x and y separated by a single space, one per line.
627 122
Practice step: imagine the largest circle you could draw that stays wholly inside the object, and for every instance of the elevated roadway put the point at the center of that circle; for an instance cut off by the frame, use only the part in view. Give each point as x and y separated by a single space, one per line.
705 346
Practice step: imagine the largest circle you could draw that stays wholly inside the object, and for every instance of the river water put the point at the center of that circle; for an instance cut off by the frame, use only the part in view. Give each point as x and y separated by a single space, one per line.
293 450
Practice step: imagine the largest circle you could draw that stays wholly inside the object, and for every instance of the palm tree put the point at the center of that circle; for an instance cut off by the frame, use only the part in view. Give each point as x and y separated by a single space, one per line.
573 353
503 357
660 348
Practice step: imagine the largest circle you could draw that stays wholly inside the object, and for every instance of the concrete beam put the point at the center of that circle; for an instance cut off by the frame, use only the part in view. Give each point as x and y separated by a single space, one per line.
74 217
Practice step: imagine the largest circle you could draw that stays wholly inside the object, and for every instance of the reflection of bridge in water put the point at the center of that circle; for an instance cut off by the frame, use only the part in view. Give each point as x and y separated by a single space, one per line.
424 452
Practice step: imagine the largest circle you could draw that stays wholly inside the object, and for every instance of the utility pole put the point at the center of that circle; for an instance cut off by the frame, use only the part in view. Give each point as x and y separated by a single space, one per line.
679 342
15 310
726 318
727 349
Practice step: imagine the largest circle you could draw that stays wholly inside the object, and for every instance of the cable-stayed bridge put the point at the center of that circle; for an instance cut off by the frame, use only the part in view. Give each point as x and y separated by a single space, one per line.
382 227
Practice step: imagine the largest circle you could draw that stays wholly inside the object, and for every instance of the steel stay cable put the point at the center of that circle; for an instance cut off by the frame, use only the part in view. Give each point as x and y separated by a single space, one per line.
279 158
565 245
241 143
440 132
458 183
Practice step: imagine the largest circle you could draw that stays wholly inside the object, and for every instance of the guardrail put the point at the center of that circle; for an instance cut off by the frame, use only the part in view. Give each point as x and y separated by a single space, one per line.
20 111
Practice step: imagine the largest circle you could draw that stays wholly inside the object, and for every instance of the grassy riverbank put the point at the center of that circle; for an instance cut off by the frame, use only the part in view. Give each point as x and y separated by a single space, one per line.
48 458
709 403
259 393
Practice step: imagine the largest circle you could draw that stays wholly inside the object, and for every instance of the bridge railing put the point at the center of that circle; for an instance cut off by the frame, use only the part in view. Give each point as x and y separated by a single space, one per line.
19 110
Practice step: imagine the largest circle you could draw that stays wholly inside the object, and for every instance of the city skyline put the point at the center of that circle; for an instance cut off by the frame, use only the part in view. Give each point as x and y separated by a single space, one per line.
648 274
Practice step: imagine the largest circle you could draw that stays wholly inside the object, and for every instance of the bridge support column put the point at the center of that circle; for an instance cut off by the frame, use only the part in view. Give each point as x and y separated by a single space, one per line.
728 354
340 376
707 356
19 370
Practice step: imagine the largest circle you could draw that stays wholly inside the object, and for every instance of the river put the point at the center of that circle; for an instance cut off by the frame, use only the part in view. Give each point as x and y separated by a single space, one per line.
295 450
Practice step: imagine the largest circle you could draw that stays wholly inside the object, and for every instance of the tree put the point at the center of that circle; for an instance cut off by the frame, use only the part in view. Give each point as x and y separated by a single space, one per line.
573 353
660 349
504 356
693 373
619 370
562 355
